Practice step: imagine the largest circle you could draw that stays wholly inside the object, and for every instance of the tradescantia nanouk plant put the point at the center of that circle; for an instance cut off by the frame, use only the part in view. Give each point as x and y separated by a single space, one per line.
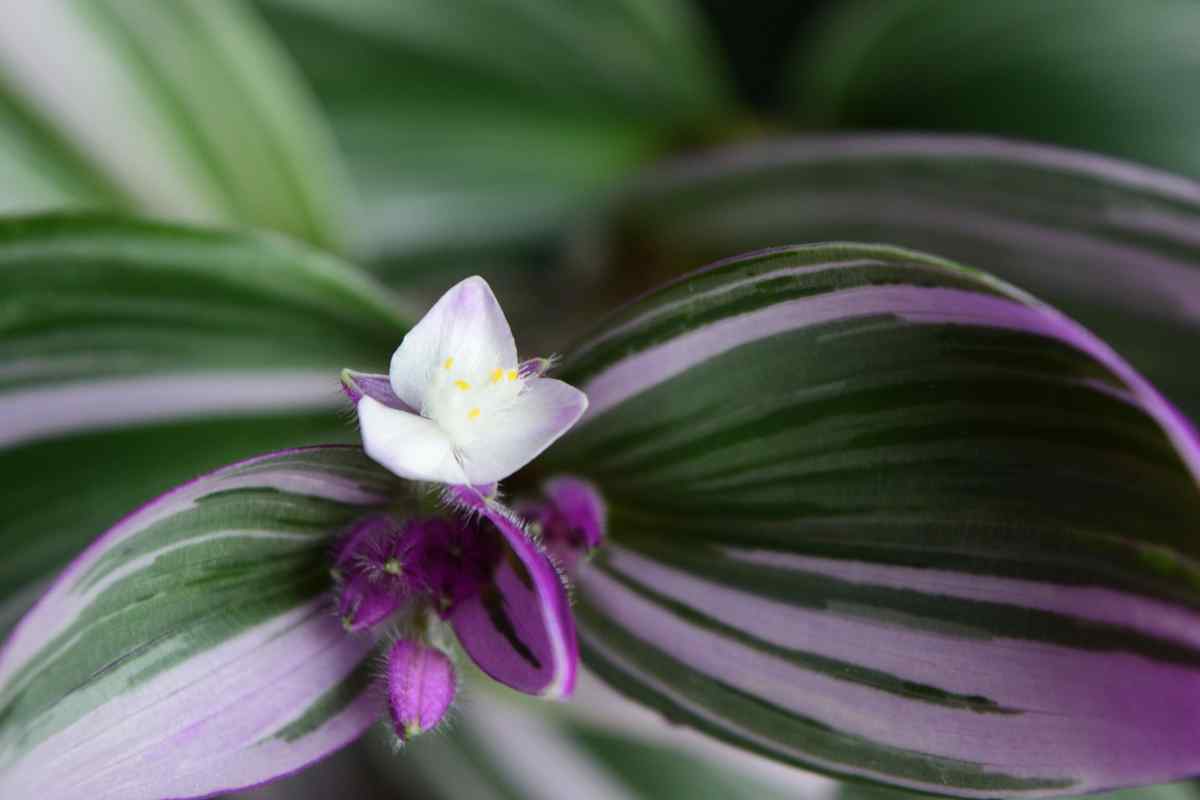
858 509
802 471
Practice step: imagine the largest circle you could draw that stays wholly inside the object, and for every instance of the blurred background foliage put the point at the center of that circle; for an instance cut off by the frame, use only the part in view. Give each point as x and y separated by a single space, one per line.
431 139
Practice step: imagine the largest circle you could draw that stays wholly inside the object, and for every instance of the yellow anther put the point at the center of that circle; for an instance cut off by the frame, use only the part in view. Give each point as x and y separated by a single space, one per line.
497 374
448 363
462 385
512 375
473 413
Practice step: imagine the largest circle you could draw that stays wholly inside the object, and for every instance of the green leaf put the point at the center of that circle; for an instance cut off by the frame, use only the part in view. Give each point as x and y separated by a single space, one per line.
134 356
189 108
192 649
883 516
1103 75
1109 243
469 122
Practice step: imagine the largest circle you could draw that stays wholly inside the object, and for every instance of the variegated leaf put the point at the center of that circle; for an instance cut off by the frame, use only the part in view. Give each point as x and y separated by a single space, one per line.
1113 244
192 649
134 356
187 110
886 517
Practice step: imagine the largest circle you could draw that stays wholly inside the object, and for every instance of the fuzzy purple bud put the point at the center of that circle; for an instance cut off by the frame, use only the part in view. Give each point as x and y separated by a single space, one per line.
454 558
420 685
372 569
581 510
572 519
364 603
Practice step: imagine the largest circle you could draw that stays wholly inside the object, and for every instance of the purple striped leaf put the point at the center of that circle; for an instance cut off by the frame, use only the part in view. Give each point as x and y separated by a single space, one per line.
193 648
886 517
1111 243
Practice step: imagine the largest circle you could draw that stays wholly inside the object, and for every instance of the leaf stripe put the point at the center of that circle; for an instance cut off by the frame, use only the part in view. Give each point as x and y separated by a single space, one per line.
654 678
1119 609
53 411
760 637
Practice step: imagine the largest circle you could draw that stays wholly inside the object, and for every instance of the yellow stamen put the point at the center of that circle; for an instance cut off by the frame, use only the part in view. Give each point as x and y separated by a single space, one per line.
473 413
512 374
462 385
448 363
497 373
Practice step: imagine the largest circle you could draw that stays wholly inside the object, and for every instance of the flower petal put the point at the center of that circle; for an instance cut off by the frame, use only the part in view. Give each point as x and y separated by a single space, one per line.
408 445
519 629
357 385
466 325
546 409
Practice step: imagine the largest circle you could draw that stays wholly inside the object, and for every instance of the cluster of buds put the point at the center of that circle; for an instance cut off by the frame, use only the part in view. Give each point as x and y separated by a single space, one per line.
469 569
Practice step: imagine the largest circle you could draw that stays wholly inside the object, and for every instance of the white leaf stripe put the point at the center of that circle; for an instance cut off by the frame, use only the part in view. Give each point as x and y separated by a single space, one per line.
51 411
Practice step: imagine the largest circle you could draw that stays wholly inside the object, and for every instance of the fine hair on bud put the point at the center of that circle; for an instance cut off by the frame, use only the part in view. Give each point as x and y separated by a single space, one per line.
421 684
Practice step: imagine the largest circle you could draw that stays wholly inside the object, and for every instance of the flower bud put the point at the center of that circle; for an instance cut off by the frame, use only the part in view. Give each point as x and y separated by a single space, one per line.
455 558
571 520
364 602
420 685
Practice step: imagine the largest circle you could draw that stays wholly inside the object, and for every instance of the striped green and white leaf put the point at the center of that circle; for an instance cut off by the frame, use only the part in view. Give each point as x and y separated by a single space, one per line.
192 648
883 516
134 356
1103 75
490 123
1110 243
187 110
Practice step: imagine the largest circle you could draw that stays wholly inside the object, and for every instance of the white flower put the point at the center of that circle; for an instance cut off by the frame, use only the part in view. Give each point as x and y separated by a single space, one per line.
464 411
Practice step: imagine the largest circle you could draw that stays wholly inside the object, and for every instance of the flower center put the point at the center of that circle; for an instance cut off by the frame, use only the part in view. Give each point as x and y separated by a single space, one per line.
465 400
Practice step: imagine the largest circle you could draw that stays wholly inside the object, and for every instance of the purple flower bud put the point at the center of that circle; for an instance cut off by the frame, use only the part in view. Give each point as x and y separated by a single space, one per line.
454 558
373 571
421 685
363 602
572 519
356 539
